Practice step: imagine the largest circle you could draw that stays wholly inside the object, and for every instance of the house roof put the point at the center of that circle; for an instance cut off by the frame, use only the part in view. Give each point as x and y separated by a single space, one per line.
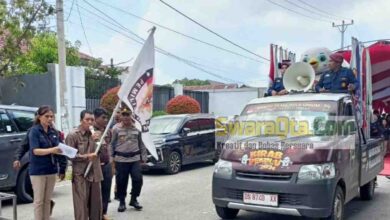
85 56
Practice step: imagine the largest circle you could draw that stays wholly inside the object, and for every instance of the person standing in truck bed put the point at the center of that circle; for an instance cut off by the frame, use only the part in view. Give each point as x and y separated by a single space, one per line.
338 79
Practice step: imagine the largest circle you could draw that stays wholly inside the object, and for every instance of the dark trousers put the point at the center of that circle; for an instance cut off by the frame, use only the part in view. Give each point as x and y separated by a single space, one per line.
106 186
123 170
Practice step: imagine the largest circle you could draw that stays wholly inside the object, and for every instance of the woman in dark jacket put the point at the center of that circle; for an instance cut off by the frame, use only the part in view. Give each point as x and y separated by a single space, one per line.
44 154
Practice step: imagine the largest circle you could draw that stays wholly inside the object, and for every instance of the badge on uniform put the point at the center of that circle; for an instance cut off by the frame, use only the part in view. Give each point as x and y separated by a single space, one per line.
343 84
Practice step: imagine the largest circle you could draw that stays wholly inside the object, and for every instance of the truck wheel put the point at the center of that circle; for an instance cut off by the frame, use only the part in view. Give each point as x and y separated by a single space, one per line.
23 189
367 190
174 163
338 206
226 213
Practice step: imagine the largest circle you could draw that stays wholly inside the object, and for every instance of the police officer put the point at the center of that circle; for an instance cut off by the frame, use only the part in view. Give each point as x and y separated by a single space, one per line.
277 87
128 153
338 79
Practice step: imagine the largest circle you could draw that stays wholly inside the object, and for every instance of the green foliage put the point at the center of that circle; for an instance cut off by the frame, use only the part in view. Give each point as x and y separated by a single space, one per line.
20 20
158 113
43 50
192 82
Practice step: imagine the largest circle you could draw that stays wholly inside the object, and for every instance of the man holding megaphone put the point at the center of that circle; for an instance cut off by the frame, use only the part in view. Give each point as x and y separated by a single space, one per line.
277 87
338 79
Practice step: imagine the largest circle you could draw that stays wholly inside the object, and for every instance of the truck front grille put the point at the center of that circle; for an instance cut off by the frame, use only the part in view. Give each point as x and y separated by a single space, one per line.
265 176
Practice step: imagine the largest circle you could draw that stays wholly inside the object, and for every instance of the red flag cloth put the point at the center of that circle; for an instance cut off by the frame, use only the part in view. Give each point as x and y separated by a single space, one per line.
380 61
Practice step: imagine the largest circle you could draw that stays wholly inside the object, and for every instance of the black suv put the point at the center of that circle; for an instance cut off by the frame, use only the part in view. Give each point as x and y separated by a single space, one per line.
180 140
14 123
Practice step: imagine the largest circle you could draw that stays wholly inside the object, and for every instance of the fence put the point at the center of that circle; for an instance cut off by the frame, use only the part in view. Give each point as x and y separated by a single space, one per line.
96 86
201 97
161 95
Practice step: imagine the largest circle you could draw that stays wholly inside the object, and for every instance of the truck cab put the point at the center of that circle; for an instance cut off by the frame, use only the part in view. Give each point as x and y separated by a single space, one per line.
299 154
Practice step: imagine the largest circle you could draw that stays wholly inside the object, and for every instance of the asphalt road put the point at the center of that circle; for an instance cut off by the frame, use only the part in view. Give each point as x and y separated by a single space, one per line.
187 195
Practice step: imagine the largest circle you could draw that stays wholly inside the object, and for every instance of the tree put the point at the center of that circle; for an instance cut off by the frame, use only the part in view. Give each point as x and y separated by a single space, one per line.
192 82
20 20
43 50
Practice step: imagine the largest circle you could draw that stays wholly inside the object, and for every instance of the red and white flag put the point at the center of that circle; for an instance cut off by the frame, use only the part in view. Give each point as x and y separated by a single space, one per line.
137 91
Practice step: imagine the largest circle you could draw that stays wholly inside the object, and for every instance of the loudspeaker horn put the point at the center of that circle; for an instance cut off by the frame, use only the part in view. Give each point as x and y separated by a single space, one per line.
299 77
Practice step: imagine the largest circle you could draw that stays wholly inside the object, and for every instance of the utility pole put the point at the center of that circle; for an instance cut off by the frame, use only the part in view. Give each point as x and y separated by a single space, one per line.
62 62
342 28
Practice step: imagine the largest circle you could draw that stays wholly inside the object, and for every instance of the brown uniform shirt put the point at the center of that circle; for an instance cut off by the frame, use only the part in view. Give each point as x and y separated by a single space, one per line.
127 140
83 142
105 149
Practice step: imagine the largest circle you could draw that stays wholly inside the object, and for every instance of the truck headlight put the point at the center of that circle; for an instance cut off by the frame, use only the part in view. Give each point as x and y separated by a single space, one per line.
223 169
317 171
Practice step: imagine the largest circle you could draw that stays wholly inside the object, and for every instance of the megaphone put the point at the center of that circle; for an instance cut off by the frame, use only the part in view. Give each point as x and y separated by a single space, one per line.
299 77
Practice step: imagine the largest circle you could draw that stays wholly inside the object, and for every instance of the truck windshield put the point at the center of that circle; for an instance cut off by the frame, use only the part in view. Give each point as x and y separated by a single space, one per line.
288 119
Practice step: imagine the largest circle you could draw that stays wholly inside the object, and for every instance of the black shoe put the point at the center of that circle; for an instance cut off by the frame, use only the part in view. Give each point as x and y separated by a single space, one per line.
122 207
135 204
52 204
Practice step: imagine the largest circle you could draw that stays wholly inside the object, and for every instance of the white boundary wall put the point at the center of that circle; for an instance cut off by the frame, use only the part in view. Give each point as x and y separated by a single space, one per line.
74 97
229 102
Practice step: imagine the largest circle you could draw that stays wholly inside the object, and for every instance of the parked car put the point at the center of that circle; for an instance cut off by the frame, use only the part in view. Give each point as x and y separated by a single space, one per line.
14 123
181 140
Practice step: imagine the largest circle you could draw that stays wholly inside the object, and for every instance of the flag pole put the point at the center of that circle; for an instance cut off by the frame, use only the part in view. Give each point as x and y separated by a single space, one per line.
103 136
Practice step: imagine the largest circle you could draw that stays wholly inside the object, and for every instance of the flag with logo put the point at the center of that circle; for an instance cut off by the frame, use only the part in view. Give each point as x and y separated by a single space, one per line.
356 66
137 91
368 90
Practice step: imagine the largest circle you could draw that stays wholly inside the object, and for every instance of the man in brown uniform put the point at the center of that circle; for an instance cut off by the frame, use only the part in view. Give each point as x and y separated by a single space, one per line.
87 198
128 153
101 121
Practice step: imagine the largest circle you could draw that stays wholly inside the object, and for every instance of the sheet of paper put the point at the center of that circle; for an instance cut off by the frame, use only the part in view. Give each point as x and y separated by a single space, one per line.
67 150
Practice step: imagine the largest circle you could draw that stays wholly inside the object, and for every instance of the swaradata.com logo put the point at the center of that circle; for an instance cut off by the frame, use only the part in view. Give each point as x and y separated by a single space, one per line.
285 127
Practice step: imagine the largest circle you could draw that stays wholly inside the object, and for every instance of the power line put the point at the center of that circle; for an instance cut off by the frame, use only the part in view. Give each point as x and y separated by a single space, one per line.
309 10
179 33
123 62
213 32
214 66
324 12
296 12
82 25
70 12
161 51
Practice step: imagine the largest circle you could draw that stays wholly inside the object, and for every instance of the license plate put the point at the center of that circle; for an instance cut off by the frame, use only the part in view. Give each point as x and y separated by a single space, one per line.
260 199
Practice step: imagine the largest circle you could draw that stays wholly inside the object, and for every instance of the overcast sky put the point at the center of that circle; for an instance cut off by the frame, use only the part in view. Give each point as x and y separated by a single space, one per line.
254 24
